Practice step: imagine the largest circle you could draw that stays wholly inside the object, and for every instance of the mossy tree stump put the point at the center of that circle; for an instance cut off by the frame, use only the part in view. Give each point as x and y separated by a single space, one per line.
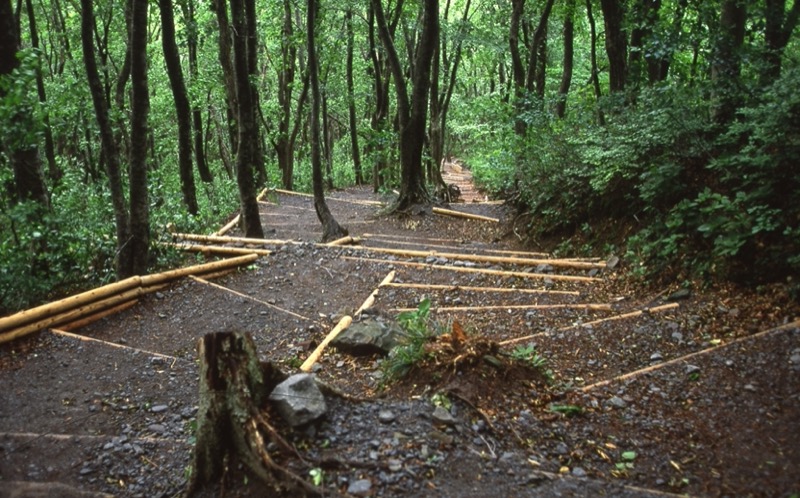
231 423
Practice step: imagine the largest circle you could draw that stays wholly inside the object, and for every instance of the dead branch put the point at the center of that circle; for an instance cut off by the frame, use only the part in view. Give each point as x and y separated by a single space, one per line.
217 286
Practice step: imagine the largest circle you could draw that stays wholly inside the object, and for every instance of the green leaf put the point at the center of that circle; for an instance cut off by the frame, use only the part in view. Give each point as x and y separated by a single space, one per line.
629 456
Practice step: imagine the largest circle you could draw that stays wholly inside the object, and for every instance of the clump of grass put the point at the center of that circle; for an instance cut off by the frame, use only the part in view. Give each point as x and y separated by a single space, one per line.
418 331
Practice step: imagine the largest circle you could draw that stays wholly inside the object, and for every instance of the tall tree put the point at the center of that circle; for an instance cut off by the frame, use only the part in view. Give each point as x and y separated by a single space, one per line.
726 62
220 8
779 26
330 228
566 70
183 112
351 100
248 132
412 110
108 143
18 138
616 43
593 57
140 108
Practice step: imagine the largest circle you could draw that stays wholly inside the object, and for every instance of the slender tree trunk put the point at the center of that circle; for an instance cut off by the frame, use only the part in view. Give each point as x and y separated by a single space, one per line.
726 63
616 44
248 132
779 26
566 74
257 154
517 69
197 116
140 108
593 54
327 141
24 154
351 101
108 144
182 108
220 8
330 228
53 171
123 77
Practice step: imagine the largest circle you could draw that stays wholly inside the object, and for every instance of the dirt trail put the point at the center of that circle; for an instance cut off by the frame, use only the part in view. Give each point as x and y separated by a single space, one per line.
638 396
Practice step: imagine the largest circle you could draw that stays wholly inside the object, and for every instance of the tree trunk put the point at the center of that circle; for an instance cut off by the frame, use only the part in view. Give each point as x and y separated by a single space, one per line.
182 108
351 102
107 143
412 111
197 116
220 8
331 230
140 107
53 171
517 69
257 154
593 55
566 74
726 62
776 35
616 44
248 133
327 138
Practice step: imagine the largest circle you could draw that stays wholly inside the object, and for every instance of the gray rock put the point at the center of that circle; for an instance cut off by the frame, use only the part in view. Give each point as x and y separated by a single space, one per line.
369 336
679 295
616 402
361 487
442 415
159 408
692 369
386 416
578 472
612 262
656 356
299 400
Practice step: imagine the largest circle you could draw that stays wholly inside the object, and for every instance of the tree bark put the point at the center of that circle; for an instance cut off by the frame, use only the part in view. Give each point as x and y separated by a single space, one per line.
412 111
331 230
593 55
140 108
248 133
220 8
108 144
351 102
726 61
616 43
779 26
566 74
183 112
197 116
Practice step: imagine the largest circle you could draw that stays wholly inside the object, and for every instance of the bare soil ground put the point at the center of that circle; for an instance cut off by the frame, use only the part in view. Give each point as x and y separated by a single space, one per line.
700 399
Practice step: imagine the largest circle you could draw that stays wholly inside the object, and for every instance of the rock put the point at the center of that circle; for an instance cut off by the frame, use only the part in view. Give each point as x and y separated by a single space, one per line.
616 402
612 262
361 487
692 369
159 408
368 337
299 400
544 268
578 472
386 416
442 415
656 356
679 295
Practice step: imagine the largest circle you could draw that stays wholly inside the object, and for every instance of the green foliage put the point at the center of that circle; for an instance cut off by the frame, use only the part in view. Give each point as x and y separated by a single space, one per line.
418 331
528 356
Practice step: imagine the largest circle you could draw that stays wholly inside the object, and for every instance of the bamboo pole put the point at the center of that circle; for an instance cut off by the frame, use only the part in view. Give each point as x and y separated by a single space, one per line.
66 304
261 195
657 309
98 316
85 338
229 226
408 237
459 269
216 249
342 325
375 238
585 265
201 269
641 371
70 316
302 194
346 240
481 289
231 240
590 306
459 214
251 298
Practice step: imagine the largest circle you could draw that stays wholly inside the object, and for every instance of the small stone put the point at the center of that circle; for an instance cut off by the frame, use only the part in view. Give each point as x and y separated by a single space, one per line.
157 428
386 416
677 336
159 408
795 359
395 465
561 448
750 387
360 487
440 414
86 470
656 357
616 402
692 369
679 295
612 262
578 472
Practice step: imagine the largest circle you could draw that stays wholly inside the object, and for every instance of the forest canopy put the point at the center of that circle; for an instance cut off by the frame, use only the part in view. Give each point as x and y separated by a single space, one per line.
667 131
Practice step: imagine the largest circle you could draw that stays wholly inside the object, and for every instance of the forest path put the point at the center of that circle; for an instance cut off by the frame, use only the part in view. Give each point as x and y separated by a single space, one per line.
631 395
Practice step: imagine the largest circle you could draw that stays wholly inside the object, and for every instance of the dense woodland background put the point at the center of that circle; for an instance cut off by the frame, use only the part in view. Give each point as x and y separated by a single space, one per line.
667 131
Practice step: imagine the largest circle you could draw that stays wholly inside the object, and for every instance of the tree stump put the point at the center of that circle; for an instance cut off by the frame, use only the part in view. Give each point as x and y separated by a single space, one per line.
231 423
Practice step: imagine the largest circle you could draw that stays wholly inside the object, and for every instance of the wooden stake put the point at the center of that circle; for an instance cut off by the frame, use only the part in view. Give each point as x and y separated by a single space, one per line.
371 299
592 307
342 325
636 373
346 240
229 226
586 265
84 338
459 214
98 316
657 309
216 249
217 286
459 269
231 240
481 289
